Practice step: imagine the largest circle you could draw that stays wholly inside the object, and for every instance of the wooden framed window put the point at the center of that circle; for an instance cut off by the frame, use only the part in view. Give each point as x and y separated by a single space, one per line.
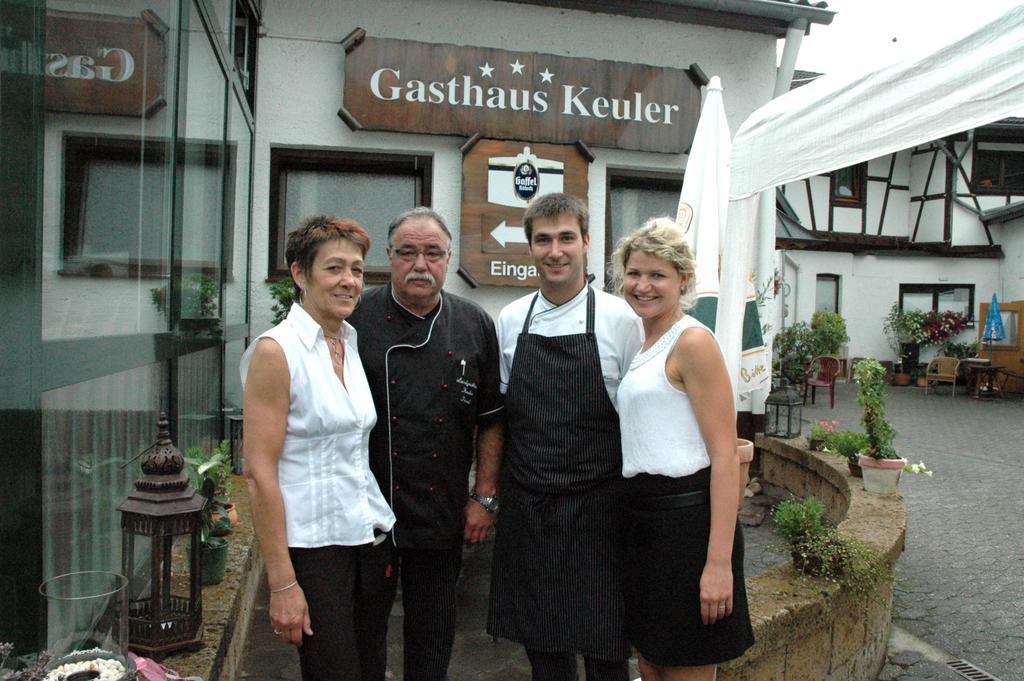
848 186
938 298
826 297
368 188
116 218
635 196
998 168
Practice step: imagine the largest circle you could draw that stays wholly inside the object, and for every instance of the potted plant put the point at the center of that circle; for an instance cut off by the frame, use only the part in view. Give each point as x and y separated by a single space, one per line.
211 476
214 465
920 376
829 333
820 551
904 331
799 522
848 444
792 349
819 434
880 463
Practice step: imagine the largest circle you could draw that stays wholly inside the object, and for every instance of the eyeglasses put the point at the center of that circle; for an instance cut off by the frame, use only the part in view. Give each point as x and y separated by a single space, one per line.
411 254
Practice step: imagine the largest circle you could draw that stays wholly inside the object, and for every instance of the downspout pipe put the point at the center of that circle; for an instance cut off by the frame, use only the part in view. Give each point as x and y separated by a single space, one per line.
765 240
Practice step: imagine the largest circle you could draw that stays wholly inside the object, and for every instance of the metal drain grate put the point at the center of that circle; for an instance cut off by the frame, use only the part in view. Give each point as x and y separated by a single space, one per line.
969 671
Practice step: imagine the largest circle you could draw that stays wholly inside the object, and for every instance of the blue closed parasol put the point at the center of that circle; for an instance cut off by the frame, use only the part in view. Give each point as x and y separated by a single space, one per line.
994 331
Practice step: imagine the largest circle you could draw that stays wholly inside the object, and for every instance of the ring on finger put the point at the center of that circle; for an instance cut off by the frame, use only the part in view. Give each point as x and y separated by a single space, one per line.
277 632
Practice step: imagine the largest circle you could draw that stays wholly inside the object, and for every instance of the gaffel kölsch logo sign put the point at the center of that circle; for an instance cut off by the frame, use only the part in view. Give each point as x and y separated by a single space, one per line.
447 89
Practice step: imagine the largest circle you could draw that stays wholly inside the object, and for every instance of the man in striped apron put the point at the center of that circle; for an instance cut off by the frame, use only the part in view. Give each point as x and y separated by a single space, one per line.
564 349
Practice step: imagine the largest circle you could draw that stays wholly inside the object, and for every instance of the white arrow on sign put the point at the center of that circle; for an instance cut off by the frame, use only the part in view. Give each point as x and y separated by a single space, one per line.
506 234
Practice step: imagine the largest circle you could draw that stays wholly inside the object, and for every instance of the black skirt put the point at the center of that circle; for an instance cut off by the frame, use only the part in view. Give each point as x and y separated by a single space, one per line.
665 555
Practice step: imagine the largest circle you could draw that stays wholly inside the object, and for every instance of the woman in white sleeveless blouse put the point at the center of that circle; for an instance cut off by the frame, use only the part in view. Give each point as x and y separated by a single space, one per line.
686 606
320 517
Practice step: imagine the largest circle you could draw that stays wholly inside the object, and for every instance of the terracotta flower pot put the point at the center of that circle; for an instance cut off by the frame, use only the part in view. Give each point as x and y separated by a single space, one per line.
231 511
901 379
881 476
745 451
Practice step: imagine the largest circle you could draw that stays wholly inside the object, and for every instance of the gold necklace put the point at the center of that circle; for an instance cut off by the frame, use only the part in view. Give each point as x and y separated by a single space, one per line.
337 349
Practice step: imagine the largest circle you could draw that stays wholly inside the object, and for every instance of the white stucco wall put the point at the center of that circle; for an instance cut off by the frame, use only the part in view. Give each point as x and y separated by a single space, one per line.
869 285
301 79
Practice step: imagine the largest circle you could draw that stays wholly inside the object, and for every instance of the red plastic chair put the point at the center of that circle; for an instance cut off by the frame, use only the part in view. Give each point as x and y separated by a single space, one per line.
821 373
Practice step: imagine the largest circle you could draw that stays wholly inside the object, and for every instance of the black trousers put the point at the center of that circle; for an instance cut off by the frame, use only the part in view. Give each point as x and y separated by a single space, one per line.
349 591
562 667
428 579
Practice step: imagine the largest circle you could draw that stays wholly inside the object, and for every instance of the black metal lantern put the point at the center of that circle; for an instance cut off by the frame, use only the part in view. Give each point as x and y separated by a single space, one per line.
782 411
164 507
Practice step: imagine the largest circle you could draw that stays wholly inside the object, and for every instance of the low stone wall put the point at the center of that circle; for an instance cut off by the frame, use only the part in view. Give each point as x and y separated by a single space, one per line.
805 629
227 607
809 629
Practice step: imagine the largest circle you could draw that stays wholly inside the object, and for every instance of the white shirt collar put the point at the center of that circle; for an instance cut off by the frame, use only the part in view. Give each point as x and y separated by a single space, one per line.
308 329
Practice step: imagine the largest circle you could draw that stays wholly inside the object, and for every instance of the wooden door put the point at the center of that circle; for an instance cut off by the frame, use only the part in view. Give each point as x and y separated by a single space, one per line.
1010 351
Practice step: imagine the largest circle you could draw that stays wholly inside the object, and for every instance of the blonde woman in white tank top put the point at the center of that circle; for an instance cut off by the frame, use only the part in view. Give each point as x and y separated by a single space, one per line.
686 607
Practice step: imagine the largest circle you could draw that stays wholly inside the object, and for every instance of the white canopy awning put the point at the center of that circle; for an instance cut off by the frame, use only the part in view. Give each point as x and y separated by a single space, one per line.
838 121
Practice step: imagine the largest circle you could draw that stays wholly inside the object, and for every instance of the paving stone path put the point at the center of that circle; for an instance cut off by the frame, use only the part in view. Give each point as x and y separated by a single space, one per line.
960 581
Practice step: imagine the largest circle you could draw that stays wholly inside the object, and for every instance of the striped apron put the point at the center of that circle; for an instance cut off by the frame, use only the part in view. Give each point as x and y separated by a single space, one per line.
555 574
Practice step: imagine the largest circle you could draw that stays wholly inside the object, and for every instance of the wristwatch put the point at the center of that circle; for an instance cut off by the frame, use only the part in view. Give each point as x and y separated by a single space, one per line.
490 503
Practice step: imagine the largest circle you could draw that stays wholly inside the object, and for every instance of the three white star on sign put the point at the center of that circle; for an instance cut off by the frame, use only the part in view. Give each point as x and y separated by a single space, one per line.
517 67
486 70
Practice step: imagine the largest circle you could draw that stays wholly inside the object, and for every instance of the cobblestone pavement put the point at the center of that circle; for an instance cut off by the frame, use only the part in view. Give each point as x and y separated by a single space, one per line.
960 581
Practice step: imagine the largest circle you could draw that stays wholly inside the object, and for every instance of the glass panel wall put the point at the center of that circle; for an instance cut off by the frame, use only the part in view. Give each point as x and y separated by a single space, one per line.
139 218
236 242
91 430
108 124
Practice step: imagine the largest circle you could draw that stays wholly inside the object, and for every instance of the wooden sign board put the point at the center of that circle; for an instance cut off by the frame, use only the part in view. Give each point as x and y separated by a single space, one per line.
102 64
498 179
440 89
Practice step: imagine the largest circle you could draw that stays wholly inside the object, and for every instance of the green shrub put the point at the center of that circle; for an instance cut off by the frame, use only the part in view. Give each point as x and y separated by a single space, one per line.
800 521
829 333
283 293
820 551
870 375
792 350
847 444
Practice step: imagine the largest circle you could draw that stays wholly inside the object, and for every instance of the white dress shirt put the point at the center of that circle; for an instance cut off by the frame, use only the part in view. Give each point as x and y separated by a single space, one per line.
619 331
330 495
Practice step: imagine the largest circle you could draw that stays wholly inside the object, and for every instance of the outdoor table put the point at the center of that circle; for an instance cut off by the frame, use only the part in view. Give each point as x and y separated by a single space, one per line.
983 376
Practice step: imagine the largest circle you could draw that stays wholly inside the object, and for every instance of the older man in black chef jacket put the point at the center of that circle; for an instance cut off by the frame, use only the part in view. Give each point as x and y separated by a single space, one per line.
432 362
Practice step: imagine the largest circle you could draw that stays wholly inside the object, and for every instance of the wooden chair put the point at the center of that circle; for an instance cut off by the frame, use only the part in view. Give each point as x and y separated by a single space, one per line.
942 370
821 373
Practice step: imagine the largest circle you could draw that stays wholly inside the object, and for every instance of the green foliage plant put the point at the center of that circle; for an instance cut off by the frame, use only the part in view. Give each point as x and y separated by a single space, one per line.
800 521
198 297
211 477
283 294
820 432
829 333
819 550
903 327
870 375
793 348
960 350
847 443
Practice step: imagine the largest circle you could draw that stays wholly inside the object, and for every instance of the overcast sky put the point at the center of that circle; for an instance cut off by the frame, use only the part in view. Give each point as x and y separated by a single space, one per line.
866 33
